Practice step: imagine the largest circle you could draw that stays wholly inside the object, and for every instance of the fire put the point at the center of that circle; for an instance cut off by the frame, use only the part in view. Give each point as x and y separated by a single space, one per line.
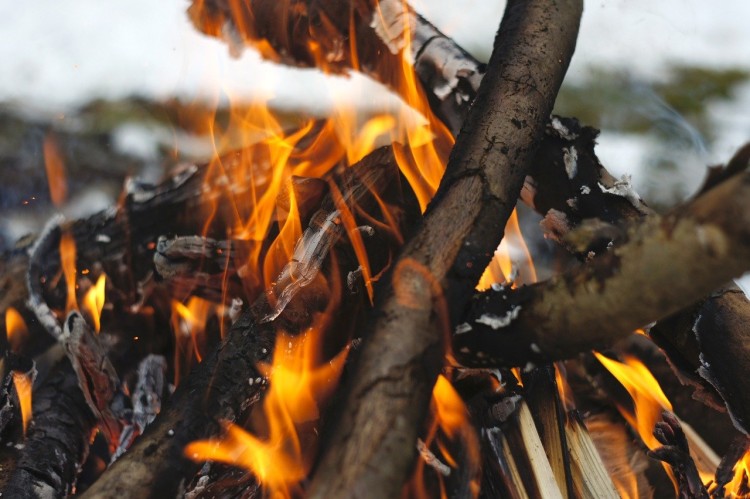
648 398
189 326
93 301
68 263
53 163
15 328
23 383
501 268
279 454
739 486
450 426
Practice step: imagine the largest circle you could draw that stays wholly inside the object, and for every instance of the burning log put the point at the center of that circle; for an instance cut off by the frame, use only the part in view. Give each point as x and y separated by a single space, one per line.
552 320
57 442
229 382
567 184
447 256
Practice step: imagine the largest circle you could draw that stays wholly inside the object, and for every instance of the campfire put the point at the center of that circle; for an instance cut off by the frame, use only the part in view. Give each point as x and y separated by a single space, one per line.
347 307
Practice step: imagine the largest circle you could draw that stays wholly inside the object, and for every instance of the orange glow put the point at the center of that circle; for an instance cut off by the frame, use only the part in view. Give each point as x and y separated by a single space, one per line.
68 263
53 163
279 455
648 398
15 328
189 326
738 487
566 393
23 382
500 268
450 426
93 301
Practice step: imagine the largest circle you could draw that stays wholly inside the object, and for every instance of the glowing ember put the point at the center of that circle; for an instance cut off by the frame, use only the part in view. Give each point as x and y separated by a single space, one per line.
58 185
68 263
23 383
299 382
93 301
15 328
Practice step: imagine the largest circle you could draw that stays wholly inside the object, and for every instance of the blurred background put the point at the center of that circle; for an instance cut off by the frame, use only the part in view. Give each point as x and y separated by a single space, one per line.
118 84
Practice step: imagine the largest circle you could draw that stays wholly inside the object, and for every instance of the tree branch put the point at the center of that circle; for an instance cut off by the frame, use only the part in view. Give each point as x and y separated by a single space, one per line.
626 288
401 356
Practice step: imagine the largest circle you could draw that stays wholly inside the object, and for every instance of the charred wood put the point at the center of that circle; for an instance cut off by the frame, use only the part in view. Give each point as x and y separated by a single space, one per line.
228 381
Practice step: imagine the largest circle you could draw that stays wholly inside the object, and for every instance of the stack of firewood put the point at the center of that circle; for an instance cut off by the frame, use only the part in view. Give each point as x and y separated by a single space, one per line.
106 419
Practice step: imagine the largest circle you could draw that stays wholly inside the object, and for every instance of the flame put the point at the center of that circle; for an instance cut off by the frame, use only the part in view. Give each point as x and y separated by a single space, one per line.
23 382
15 328
450 426
189 326
68 264
501 267
564 389
648 398
93 301
738 486
53 163
300 381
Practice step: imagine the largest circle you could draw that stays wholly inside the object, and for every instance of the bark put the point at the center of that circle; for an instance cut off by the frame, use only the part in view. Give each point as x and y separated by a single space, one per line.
630 286
219 388
402 354
57 441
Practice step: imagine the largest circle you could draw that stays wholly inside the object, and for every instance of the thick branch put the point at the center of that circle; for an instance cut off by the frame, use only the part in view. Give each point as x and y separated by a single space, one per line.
402 355
629 287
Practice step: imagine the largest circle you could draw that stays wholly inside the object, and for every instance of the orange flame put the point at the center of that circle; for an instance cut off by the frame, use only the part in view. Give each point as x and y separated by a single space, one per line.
564 389
300 381
451 418
500 268
93 301
68 263
189 325
15 328
53 163
648 398
22 382
738 487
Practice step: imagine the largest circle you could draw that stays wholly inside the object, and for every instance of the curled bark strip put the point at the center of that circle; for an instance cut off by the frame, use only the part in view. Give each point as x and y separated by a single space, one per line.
630 286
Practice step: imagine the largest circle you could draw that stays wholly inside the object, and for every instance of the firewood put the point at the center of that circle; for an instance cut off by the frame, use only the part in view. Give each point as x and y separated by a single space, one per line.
626 288
388 396
546 407
567 184
590 476
57 440
228 381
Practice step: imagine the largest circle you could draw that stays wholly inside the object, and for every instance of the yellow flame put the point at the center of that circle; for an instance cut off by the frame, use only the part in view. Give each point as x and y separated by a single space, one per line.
22 382
189 326
93 301
53 163
15 328
501 267
300 381
738 486
648 398
68 264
